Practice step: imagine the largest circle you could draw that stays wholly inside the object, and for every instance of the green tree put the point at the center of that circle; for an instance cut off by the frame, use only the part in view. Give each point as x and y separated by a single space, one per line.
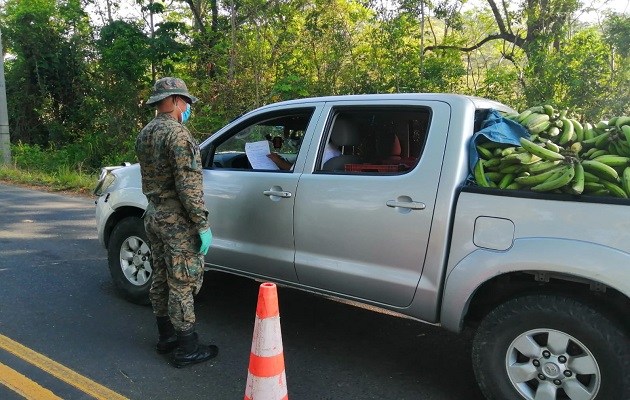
617 37
72 86
47 82
124 60
579 75
537 28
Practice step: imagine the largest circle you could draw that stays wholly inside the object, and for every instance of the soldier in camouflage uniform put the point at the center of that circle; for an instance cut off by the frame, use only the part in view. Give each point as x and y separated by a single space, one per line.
176 220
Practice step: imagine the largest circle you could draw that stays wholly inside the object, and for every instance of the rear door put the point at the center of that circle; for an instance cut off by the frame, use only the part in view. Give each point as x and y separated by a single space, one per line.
363 231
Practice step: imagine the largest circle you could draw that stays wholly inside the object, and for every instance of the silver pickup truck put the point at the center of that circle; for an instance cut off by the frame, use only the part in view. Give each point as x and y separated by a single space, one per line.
388 218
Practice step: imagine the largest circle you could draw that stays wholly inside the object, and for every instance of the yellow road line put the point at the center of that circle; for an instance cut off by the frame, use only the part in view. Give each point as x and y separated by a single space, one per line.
23 386
59 371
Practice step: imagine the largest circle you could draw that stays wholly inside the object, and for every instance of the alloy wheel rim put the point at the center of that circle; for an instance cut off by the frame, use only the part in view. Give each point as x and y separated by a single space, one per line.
547 364
135 261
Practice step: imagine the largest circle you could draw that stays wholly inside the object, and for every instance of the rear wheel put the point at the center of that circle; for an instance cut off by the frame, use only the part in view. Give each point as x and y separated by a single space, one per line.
129 259
551 347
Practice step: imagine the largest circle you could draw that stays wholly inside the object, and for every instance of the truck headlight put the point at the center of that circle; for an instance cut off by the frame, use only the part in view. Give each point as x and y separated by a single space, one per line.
106 180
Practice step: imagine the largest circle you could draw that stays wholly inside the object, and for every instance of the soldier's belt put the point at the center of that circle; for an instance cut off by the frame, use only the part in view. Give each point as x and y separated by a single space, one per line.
169 202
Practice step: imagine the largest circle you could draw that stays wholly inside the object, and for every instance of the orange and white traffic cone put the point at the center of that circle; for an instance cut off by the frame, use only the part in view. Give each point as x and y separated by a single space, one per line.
266 379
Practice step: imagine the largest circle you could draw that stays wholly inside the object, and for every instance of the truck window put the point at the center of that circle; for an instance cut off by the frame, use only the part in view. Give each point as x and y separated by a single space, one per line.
283 131
374 140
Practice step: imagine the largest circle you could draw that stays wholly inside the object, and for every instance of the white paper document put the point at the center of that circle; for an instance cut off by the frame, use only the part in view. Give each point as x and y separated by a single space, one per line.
257 155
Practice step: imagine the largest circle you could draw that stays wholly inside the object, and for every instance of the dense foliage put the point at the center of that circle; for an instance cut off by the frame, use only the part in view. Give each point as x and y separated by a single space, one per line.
76 80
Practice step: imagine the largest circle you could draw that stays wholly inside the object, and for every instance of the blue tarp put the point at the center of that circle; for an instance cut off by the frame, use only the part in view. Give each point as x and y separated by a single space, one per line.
496 128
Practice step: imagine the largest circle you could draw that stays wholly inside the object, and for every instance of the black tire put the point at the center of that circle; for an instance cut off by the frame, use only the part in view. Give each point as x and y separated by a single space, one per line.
128 256
569 343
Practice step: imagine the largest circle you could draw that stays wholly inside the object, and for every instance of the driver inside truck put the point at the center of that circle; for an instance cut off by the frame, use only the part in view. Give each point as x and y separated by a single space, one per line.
329 152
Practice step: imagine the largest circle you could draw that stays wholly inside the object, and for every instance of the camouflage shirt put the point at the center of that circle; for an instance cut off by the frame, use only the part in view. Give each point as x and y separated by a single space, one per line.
171 166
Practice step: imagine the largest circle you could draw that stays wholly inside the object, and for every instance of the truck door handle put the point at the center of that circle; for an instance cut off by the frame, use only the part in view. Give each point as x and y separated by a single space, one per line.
277 193
412 205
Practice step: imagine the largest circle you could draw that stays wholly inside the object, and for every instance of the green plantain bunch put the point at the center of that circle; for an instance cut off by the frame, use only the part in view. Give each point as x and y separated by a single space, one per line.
560 156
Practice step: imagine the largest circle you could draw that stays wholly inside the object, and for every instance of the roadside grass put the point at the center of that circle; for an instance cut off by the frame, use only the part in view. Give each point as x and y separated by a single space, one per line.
56 169
61 180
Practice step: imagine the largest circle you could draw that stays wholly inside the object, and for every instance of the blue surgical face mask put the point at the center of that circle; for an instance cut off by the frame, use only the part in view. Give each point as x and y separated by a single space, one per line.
186 114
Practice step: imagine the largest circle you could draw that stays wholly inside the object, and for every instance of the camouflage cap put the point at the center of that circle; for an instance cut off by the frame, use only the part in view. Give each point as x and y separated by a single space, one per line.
166 87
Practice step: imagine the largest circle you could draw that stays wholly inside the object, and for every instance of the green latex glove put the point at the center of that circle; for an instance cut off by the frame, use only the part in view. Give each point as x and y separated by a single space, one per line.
206 239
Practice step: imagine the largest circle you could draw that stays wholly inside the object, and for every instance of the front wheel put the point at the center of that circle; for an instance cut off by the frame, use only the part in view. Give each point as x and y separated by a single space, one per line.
129 259
551 347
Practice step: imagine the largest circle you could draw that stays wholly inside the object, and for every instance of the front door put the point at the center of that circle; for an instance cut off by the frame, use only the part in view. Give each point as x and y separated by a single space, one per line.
251 206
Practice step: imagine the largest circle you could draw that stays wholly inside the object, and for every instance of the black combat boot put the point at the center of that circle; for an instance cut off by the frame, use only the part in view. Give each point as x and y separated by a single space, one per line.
189 351
168 339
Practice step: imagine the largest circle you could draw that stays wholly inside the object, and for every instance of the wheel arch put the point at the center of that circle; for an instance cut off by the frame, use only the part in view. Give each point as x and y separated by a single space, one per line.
120 214
502 288
486 278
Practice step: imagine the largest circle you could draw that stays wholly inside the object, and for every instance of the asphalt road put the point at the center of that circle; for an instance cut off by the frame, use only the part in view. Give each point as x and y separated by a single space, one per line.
56 298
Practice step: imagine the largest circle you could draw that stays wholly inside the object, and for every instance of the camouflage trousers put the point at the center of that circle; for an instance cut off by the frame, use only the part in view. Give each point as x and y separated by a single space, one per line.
176 262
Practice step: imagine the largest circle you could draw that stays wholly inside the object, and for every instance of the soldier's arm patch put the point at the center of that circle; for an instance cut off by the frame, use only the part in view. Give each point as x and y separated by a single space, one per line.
194 150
